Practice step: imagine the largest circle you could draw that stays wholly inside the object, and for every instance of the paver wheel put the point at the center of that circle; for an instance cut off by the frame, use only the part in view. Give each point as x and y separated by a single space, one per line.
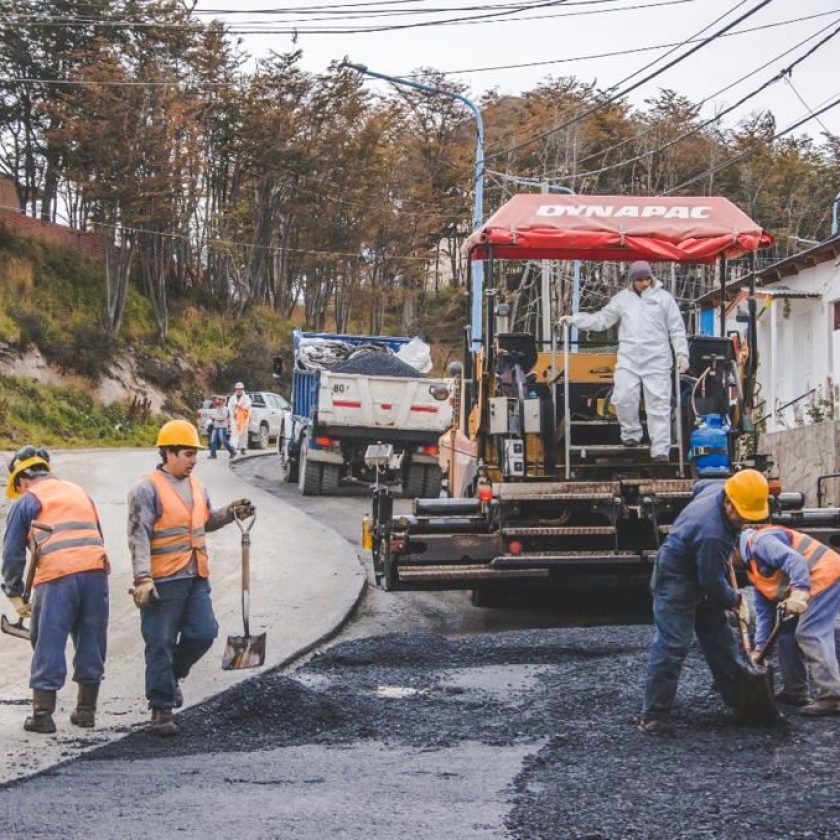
309 473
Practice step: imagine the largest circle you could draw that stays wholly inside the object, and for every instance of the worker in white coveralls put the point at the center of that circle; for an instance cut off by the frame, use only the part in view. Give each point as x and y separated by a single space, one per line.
239 405
649 327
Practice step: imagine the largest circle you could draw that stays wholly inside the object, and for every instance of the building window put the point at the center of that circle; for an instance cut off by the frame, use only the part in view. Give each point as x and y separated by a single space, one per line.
836 307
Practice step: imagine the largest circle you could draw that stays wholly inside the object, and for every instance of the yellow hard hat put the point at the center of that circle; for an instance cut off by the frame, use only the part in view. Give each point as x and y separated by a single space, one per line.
748 491
24 459
179 433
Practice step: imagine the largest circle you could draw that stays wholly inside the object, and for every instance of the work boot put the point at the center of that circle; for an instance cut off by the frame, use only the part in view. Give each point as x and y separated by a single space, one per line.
162 723
627 442
179 696
793 699
661 459
43 706
84 713
821 708
656 726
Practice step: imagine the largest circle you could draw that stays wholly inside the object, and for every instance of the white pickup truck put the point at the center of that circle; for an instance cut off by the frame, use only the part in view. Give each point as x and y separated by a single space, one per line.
335 416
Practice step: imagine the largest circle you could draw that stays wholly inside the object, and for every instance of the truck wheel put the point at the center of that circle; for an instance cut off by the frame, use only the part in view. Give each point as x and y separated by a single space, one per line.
262 437
433 482
330 474
414 483
422 481
309 473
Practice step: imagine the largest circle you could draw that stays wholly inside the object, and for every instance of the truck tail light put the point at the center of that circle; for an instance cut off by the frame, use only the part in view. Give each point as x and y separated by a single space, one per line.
429 450
515 547
485 493
324 442
775 486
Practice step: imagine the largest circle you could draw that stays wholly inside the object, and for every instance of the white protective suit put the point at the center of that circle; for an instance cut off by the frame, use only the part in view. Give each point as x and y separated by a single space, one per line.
649 325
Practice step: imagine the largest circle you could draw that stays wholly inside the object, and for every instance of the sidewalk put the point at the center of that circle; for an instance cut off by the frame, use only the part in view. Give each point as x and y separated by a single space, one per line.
305 580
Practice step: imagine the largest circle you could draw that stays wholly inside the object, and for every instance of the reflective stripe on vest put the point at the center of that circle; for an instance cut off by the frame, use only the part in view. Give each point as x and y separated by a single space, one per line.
75 544
823 565
180 530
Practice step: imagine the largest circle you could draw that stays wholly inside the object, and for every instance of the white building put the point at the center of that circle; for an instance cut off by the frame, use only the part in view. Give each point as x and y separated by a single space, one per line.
798 332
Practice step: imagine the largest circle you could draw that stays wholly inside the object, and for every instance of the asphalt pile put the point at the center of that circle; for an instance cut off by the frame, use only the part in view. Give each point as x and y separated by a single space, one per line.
375 363
574 694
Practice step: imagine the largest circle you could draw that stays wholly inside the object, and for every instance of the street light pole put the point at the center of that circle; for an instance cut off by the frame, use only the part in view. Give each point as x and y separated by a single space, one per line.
478 206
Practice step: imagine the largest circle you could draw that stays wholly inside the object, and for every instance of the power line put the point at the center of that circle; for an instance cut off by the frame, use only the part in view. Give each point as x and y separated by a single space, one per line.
784 73
748 152
622 93
287 27
714 95
799 96
629 51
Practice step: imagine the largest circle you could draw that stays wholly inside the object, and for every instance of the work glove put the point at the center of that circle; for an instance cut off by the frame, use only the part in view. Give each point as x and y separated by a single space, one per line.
565 319
682 363
22 608
797 602
744 609
144 592
243 508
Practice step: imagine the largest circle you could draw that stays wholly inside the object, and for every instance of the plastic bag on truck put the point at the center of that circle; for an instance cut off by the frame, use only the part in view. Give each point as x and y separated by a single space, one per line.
416 353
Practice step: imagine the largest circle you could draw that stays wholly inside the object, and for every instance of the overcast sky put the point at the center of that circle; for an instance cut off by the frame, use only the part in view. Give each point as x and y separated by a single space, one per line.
571 36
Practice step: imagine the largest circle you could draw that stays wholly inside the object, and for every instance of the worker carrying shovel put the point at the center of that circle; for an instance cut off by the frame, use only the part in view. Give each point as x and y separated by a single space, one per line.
169 513
68 574
790 568
691 593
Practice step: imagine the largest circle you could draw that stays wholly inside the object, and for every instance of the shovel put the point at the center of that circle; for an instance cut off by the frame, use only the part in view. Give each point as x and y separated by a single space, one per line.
754 696
18 629
245 651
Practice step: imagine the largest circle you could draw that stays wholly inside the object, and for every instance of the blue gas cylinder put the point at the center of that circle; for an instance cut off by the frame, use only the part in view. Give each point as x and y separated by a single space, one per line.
709 447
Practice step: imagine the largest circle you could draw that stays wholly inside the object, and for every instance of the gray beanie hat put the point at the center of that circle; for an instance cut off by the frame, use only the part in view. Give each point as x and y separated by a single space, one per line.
639 270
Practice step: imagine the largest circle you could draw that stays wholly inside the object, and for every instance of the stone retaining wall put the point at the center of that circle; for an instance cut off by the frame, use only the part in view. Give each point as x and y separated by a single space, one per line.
802 454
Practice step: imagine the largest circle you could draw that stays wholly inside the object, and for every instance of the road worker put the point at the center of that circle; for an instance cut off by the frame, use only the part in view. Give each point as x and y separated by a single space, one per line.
239 405
58 521
649 327
790 568
691 593
168 515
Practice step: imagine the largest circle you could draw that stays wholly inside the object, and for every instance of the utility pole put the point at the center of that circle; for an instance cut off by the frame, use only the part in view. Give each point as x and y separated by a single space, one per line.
478 205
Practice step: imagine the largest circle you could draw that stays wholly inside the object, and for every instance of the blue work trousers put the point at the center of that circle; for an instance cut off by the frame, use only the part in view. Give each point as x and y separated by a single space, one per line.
806 647
219 440
71 606
178 629
680 612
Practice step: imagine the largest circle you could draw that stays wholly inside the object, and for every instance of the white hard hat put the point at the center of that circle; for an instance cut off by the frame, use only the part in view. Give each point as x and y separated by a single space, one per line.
238 386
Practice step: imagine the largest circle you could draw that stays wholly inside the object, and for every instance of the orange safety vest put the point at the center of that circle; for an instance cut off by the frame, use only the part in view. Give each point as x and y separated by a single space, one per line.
823 565
179 532
74 544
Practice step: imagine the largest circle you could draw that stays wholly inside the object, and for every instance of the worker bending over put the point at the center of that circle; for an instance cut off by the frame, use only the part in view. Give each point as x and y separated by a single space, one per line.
169 513
649 326
691 593
802 574
58 521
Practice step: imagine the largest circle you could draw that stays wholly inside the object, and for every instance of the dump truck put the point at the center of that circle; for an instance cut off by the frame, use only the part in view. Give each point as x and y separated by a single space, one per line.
336 415
541 488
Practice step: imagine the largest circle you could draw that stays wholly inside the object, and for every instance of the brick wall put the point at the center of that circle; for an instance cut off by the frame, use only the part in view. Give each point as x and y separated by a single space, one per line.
88 244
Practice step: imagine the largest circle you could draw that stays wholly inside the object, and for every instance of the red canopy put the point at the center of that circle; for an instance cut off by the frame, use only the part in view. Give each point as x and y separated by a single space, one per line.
617 227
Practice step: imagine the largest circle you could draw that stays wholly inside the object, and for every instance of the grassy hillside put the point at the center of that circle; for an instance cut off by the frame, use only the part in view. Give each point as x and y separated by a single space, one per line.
53 299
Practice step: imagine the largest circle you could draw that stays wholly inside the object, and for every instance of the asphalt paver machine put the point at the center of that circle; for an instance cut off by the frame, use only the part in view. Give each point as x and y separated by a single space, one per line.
540 486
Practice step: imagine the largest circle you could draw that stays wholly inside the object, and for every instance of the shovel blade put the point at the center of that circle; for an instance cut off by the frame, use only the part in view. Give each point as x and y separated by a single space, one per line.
243 652
18 629
754 698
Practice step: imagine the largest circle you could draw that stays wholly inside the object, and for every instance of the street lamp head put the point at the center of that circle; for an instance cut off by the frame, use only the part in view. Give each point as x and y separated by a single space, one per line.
361 68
